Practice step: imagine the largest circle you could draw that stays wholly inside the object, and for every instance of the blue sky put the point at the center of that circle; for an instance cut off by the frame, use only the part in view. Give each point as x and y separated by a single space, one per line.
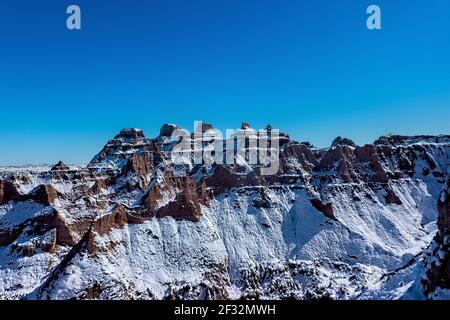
310 68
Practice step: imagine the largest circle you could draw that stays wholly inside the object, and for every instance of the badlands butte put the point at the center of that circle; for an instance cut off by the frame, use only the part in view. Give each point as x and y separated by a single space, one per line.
345 222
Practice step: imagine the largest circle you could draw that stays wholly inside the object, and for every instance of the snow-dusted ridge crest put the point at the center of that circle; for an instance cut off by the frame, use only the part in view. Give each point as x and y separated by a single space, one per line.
346 222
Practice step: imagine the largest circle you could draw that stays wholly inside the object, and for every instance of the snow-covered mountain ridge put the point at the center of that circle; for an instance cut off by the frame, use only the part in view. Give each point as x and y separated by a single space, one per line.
347 222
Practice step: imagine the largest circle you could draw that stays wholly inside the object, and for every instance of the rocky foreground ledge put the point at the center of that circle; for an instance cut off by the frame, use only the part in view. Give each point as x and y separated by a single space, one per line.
345 222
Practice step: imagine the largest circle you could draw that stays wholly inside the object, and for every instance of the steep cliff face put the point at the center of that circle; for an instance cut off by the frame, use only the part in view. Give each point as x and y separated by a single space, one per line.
344 223
444 212
437 279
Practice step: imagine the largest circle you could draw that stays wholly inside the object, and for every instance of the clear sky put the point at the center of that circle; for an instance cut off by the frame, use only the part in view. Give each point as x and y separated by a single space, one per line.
310 68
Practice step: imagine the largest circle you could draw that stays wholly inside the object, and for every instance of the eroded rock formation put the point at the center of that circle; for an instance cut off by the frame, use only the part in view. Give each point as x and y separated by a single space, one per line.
346 211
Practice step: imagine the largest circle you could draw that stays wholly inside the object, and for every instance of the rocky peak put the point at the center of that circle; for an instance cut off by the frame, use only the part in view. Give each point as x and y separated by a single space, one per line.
167 130
130 135
204 127
45 194
308 144
245 126
339 141
60 166
351 197
118 150
398 140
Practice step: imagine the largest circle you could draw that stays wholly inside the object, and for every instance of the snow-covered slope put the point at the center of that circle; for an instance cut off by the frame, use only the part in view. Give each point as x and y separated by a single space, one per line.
346 222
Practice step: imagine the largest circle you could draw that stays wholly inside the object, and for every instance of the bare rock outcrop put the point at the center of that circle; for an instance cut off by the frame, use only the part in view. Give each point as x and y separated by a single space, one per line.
343 160
187 196
60 166
339 141
131 134
391 197
133 180
325 208
444 212
45 242
44 194
438 274
117 219
186 206
245 126
369 154
167 130
301 153
8 192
